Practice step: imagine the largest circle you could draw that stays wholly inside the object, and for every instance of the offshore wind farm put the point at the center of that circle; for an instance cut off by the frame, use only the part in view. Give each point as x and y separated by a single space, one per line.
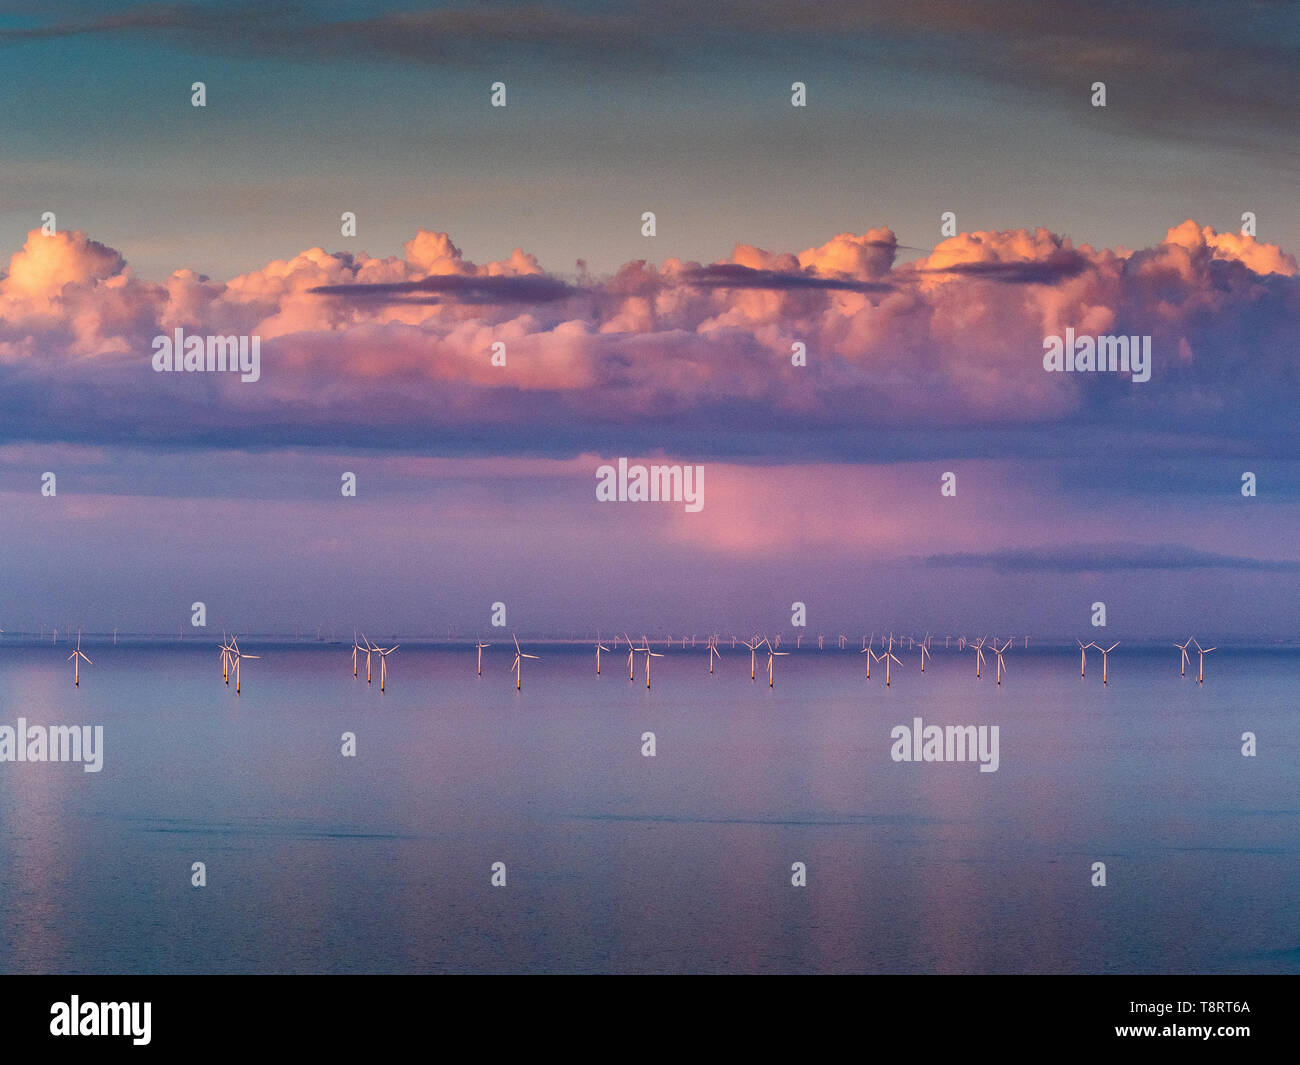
454 769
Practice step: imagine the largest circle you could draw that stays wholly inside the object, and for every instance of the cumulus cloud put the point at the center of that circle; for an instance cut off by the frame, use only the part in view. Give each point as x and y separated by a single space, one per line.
940 356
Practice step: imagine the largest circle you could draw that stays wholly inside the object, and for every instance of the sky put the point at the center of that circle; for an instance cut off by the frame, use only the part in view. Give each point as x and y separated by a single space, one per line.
774 226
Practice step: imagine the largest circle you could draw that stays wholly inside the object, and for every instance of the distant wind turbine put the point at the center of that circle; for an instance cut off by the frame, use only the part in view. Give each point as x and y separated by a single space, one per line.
713 652
870 655
599 647
1001 664
1183 647
1200 669
1083 654
1104 652
649 654
480 645
979 656
772 653
238 657
384 652
888 656
518 666
369 648
76 658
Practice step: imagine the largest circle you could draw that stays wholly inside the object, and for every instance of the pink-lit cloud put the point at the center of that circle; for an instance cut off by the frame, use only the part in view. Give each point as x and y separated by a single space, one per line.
942 355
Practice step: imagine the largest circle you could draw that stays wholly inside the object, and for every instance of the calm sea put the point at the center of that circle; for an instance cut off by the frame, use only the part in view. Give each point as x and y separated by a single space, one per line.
616 862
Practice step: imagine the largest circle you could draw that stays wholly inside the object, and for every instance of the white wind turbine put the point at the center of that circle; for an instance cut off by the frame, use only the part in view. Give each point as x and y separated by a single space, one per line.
480 645
76 658
979 656
888 656
518 666
227 661
370 649
1200 669
1183 647
1001 664
649 654
355 648
238 656
384 652
713 652
752 648
870 655
599 647
925 651
1104 652
631 658
772 653
1083 654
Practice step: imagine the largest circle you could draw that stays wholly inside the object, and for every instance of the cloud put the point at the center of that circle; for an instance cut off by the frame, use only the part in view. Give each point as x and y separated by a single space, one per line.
733 275
463 289
1193 70
1098 558
940 357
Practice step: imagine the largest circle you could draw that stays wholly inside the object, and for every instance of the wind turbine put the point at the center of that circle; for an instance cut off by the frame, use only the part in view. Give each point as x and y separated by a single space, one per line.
1083 654
888 656
517 667
772 652
355 648
713 651
1104 652
631 660
925 653
752 647
1001 664
369 648
480 645
979 656
1183 647
1200 670
870 655
76 659
383 662
599 647
227 656
238 656
649 654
